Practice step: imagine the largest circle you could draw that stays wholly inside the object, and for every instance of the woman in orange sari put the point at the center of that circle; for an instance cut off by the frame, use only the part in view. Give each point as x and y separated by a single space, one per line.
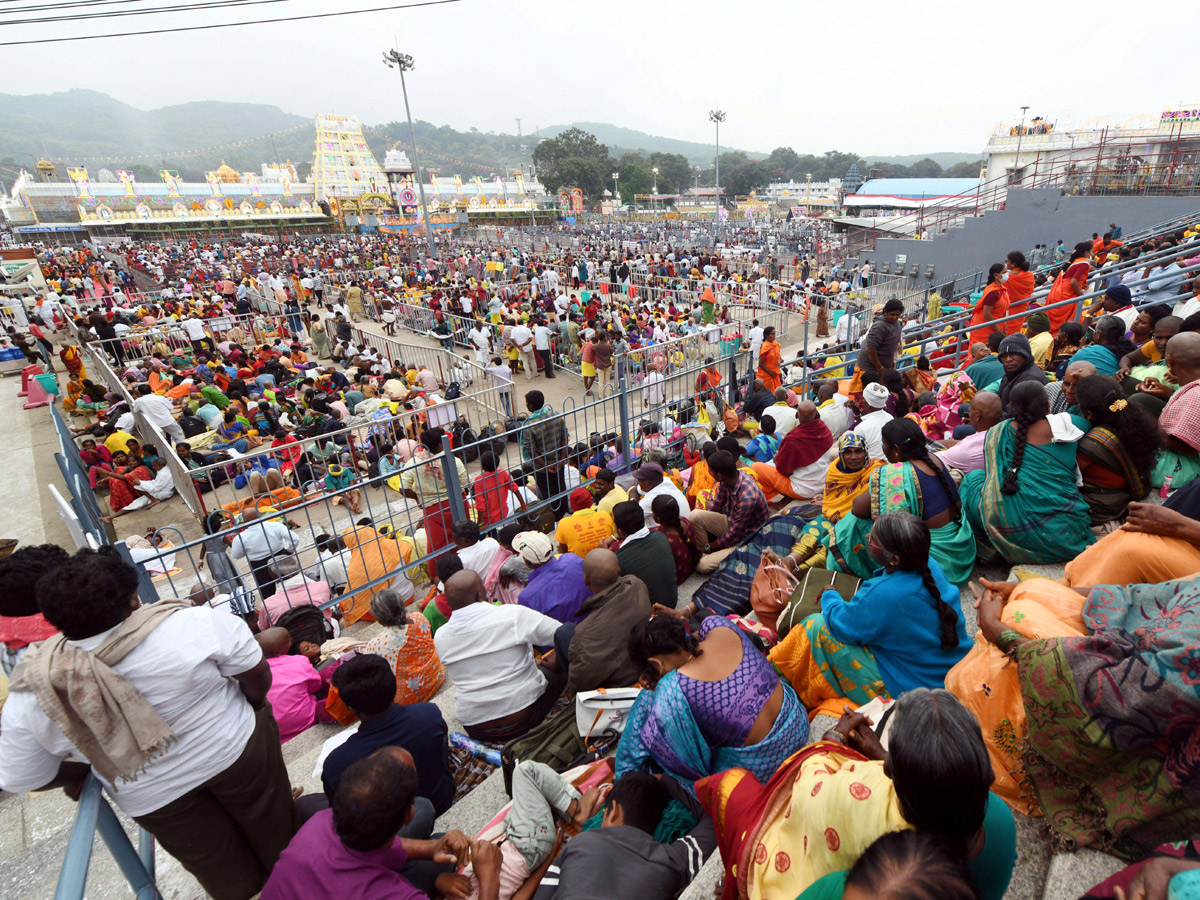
1020 285
770 358
371 556
993 304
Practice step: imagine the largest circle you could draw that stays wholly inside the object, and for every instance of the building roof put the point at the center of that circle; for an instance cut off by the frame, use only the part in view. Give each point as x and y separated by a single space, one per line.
918 188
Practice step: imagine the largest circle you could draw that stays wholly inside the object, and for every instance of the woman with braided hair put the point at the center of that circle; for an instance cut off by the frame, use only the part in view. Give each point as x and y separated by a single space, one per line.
1116 457
1024 505
913 482
903 629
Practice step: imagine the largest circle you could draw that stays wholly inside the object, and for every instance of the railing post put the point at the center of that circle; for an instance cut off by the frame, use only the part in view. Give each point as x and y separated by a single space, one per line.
450 476
126 858
623 408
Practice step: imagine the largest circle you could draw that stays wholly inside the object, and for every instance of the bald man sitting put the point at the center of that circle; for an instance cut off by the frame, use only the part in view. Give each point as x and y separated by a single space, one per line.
295 685
1179 421
802 461
488 652
1061 394
967 455
781 413
598 654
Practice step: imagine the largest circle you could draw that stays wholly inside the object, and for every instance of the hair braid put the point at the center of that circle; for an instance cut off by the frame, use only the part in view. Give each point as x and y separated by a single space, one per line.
947 482
1023 422
946 616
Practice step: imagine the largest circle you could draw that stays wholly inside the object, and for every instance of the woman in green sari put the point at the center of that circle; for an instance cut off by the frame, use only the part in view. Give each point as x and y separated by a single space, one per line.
1024 504
914 482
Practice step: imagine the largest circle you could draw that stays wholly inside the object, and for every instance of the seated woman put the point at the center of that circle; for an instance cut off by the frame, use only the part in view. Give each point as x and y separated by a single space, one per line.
371 556
121 479
848 476
406 642
1088 705
686 723
833 799
1024 505
915 482
902 630
1116 455
97 458
680 535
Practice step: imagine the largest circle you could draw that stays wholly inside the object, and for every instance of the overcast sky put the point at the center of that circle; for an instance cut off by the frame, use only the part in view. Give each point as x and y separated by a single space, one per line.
870 77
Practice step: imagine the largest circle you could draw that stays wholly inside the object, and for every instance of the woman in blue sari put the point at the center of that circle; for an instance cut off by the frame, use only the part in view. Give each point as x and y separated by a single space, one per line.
711 702
1024 504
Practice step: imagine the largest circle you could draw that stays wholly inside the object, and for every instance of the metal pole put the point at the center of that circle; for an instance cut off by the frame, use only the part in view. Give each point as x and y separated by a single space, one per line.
623 407
417 164
717 194
1020 134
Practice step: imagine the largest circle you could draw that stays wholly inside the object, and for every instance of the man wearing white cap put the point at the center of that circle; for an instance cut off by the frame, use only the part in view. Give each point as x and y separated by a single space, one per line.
871 427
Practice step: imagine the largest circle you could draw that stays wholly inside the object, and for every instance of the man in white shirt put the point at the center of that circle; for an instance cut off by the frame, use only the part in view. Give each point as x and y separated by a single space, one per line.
522 338
848 330
781 413
654 392
652 482
502 379
158 411
478 338
541 342
756 342
194 329
193 752
258 542
871 427
476 553
501 693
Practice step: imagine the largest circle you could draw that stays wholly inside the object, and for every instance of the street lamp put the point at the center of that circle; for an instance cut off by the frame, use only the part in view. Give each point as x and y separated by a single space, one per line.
1020 134
717 116
616 201
654 203
808 193
403 62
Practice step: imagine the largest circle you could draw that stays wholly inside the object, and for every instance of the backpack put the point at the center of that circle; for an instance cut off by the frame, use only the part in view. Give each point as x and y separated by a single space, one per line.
453 391
495 443
555 742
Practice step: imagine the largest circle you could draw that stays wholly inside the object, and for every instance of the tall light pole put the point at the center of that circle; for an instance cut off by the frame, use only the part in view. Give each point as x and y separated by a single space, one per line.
654 206
397 60
616 202
808 193
1020 134
717 116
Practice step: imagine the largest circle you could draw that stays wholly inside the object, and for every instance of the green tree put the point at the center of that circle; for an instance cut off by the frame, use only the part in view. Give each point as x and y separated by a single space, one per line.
636 177
925 168
674 172
782 164
573 159
965 169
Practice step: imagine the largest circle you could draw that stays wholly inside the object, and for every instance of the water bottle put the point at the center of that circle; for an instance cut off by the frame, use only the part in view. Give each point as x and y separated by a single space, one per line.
1166 486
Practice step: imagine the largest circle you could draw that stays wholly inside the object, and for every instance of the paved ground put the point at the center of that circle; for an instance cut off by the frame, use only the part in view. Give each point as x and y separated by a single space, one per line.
34 828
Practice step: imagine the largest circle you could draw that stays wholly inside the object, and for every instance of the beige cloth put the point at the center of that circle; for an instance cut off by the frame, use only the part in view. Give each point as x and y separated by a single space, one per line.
108 720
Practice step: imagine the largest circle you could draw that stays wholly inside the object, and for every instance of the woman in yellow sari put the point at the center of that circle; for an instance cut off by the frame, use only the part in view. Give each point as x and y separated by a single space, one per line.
830 801
372 556
848 476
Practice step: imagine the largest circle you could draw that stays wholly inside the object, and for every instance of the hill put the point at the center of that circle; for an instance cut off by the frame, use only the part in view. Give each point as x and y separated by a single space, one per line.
620 140
945 160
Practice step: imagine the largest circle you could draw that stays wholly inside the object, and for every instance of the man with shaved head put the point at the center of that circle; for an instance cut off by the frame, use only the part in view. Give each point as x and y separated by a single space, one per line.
598 651
802 460
1061 394
781 413
488 652
967 455
1179 422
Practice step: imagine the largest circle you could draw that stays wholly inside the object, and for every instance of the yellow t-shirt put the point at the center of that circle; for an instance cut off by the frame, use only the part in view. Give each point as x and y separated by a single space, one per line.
611 499
1041 345
583 531
118 440
1150 351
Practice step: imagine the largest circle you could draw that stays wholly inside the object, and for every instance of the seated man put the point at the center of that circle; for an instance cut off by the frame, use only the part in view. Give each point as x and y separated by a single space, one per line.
621 858
357 848
650 483
586 526
644 553
833 408
758 400
298 691
1060 395
476 553
765 444
967 455
488 654
598 651
802 460
737 510
556 586
608 492
366 684
781 413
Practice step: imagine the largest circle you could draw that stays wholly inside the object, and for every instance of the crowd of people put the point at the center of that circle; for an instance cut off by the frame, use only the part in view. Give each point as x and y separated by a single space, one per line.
825 527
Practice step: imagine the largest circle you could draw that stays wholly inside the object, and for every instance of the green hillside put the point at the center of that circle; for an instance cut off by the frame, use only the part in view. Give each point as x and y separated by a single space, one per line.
620 140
